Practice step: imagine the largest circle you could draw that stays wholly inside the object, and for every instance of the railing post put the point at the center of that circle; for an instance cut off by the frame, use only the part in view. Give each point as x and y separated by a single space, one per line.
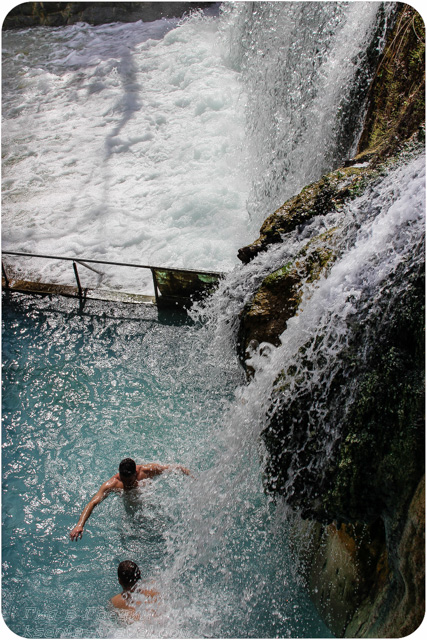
6 279
76 273
156 292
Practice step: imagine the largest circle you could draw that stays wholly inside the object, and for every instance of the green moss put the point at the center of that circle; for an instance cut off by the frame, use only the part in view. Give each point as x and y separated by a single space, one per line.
265 316
272 279
397 97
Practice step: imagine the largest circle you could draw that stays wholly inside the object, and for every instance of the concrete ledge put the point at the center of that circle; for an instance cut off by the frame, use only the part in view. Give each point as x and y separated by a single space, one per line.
41 288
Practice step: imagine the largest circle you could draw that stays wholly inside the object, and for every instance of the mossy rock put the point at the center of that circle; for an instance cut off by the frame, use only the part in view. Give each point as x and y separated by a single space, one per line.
266 315
378 458
317 199
396 101
277 299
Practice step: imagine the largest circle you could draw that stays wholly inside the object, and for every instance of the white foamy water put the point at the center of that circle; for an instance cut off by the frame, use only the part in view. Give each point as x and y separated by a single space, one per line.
124 142
168 143
306 70
381 232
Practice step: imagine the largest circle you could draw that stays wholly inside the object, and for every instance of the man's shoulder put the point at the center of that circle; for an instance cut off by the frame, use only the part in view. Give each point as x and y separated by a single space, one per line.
150 467
118 601
150 594
113 483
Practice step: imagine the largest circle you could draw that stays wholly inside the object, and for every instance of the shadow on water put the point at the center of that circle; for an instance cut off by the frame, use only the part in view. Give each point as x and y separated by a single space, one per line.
14 302
127 105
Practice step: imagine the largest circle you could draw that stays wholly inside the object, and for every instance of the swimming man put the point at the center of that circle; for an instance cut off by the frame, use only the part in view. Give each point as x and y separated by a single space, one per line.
133 594
130 474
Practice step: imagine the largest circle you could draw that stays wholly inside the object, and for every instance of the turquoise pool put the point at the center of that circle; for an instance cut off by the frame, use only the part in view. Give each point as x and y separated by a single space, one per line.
81 391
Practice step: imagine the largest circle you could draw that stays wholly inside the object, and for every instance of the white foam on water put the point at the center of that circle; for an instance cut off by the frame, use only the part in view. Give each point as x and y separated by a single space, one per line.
124 142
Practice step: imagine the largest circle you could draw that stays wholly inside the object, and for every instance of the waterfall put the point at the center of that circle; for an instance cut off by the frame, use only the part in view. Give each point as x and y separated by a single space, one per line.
173 140
306 68
381 247
241 111
230 552
326 352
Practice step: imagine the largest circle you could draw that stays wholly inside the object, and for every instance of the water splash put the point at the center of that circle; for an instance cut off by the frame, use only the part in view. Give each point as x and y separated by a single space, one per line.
380 243
221 550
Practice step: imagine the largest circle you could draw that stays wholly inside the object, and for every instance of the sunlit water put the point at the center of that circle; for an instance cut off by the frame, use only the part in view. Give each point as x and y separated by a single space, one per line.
80 392
168 143
124 142
155 144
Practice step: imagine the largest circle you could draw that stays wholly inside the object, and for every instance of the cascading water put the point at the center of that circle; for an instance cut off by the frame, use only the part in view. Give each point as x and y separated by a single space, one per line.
132 137
216 547
326 351
306 68
160 119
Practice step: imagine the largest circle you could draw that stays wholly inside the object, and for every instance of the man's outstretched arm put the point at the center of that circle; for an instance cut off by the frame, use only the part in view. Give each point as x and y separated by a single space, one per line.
155 469
99 496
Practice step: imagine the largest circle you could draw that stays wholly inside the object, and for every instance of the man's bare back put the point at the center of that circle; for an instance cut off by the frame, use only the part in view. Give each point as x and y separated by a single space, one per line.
134 599
131 602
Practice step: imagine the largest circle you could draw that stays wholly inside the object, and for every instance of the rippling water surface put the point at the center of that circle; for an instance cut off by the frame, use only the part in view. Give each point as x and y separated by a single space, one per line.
82 390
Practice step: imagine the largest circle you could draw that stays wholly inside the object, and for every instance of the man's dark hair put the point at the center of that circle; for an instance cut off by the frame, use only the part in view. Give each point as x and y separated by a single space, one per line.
127 468
128 573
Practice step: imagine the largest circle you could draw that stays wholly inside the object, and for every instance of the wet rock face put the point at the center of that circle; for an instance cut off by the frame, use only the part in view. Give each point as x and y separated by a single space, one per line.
377 465
317 199
265 317
377 459
344 567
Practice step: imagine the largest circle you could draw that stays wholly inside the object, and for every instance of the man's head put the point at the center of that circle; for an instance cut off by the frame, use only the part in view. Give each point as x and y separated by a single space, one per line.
127 470
128 573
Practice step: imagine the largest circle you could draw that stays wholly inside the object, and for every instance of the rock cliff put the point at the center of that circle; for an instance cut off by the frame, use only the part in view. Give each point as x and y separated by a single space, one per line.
57 14
363 549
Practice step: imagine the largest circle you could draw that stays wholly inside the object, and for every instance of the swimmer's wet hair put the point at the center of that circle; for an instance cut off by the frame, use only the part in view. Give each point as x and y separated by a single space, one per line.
128 573
127 468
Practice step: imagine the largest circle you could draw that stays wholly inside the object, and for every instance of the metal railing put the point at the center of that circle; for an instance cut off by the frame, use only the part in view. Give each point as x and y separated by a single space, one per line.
84 262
